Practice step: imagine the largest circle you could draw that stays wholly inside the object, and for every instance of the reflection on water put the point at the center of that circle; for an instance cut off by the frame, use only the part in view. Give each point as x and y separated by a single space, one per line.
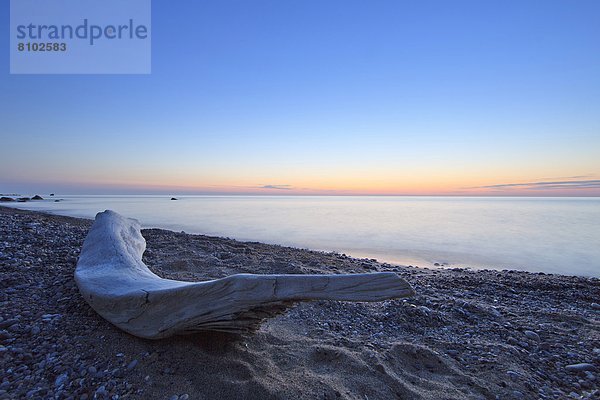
554 235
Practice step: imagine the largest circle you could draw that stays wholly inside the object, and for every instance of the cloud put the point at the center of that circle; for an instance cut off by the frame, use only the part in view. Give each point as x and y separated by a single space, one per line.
546 185
278 187
554 178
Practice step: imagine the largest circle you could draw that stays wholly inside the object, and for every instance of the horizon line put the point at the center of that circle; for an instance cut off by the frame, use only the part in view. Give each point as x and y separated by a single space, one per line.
536 195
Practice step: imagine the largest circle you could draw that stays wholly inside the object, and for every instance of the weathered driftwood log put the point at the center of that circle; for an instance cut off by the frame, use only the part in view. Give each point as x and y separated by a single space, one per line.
117 284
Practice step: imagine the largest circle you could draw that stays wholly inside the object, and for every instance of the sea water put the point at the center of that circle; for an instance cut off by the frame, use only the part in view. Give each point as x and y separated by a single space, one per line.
552 235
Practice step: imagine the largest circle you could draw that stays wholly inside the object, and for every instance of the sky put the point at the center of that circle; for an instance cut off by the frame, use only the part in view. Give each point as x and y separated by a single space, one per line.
322 97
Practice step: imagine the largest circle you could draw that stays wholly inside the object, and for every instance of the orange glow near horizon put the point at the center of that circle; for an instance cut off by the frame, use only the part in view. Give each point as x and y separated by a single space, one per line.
386 177
356 185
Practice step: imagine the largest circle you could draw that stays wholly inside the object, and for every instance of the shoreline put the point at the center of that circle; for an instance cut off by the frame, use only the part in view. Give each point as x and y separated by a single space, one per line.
410 260
467 333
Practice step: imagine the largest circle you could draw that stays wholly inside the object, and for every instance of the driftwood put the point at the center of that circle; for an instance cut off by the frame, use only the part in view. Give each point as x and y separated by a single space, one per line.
116 283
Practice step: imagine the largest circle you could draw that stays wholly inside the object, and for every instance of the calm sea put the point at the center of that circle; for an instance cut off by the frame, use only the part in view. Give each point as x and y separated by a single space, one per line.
553 235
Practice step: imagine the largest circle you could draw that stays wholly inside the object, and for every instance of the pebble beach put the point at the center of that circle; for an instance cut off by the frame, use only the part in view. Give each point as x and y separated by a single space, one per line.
467 334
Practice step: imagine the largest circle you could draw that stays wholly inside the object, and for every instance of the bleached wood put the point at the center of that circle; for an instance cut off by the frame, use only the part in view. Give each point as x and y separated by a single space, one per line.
116 283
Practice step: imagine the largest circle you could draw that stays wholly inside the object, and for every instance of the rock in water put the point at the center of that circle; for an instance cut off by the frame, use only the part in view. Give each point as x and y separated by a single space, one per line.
37 197
173 198
6 199
116 283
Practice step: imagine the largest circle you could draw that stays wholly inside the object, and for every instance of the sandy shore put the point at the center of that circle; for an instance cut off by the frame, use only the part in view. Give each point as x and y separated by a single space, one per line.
467 334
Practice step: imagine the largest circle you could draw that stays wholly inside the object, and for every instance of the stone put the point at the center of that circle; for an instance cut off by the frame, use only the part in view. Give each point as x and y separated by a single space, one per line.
532 335
513 375
101 392
61 380
37 197
590 376
6 199
115 282
8 323
580 367
117 373
132 365
494 311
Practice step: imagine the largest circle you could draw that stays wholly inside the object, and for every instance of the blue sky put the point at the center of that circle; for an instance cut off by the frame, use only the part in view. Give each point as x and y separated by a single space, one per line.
332 97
